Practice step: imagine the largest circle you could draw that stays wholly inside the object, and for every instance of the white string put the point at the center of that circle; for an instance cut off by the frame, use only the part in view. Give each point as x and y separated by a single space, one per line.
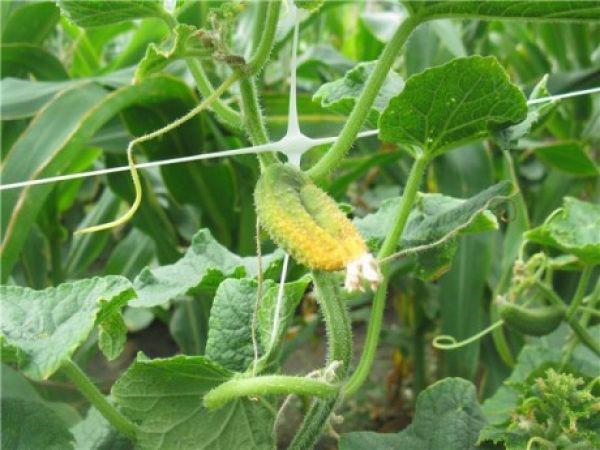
566 95
284 145
294 153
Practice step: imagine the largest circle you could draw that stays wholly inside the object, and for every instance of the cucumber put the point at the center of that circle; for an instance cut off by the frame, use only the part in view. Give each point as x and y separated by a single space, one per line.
538 321
305 221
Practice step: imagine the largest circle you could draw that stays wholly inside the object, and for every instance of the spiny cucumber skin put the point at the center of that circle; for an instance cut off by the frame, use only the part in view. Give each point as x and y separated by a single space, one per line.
304 220
532 322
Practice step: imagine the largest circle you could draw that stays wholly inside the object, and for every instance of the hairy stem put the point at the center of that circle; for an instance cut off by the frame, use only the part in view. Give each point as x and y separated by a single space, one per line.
339 335
265 45
253 119
364 103
95 397
267 385
389 245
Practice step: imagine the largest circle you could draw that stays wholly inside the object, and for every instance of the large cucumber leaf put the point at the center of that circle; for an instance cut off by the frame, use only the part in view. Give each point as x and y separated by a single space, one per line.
554 11
164 396
447 417
451 104
92 13
204 266
44 328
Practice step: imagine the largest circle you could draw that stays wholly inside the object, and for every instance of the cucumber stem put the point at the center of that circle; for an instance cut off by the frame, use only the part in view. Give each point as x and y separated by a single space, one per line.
413 183
361 109
89 390
267 385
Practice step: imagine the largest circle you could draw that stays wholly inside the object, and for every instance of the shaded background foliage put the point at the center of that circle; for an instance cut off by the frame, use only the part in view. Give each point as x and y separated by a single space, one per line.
59 79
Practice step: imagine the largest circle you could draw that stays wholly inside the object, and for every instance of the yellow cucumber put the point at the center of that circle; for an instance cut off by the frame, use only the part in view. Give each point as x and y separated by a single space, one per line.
304 220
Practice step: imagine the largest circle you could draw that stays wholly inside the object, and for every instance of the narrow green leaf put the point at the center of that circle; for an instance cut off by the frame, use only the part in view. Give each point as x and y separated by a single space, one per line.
189 323
581 11
569 157
29 22
130 255
572 229
47 326
87 247
50 145
448 105
204 266
22 60
92 13
31 425
164 396
340 95
447 417
24 98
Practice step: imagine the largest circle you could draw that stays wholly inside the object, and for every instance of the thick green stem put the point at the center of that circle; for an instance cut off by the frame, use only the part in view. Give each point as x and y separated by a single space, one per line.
389 246
339 335
228 115
263 51
579 330
364 103
253 119
267 385
580 291
95 397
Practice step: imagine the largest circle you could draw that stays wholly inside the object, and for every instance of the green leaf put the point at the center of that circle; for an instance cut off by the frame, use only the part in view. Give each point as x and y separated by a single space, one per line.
46 327
95 433
30 425
448 105
16 386
189 323
130 255
292 294
447 417
22 60
435 216
156 60
230 325
508 137
92 13
572 229
50 145
203 267
164 396
112 336
150 217
509 9
24 98
86 248
569 157
29 22
340 95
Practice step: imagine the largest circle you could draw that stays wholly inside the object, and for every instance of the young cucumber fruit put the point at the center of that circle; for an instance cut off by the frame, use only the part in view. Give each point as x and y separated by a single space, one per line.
538 321
304 220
